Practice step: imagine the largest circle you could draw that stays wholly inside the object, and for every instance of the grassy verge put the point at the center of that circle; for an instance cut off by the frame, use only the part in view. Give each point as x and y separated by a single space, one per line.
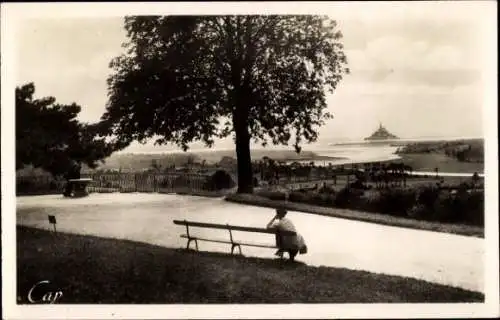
202 193
466 230
95 270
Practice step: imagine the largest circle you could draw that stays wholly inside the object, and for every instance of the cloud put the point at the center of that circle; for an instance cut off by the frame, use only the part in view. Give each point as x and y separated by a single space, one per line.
417 77
395 59
398 53
407 110
409 83
69 59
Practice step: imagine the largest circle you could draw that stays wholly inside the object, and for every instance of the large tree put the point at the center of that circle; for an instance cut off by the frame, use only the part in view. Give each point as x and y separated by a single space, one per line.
188 78
49 136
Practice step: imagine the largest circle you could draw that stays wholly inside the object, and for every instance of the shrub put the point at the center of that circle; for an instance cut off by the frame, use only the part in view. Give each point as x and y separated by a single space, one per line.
39 185
475 208
463 206
417 211
346 196
299 196
425 203
272 195
396 201
320 199
255 182
53 185
313 198
24 186
358 184
428 196
220 180
180 182
326 189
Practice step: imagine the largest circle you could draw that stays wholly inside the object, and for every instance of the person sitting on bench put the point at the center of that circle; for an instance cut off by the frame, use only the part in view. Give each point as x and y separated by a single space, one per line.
285 243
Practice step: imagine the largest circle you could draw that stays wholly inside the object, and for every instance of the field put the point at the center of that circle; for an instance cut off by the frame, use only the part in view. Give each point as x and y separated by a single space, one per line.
89 269
430 161
131 161
465 156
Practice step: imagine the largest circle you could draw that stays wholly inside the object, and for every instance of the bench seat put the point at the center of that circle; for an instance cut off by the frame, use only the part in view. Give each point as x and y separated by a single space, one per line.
251 244
205 239
234 243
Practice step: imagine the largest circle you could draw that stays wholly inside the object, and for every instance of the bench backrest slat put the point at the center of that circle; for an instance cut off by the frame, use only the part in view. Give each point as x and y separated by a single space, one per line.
231 227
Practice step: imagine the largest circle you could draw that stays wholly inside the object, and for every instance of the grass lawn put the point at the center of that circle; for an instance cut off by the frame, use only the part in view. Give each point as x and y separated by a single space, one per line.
96 270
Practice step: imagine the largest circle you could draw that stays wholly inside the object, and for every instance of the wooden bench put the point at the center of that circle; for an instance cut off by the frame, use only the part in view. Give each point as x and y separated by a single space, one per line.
229 228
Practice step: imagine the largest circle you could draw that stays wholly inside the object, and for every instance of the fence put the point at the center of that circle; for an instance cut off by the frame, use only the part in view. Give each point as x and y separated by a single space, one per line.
148 182
119 182
177 182
167 182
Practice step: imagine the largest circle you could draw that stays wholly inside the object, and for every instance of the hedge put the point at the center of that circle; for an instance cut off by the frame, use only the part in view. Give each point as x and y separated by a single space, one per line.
424 203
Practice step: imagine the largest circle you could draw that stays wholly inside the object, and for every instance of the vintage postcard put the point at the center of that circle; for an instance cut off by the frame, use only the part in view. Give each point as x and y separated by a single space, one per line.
249 160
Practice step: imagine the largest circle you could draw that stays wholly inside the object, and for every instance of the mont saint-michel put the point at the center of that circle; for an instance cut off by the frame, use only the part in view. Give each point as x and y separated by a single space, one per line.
381 134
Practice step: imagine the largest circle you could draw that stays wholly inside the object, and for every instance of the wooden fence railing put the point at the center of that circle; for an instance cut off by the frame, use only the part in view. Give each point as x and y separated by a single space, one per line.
118 182
148 182
140 182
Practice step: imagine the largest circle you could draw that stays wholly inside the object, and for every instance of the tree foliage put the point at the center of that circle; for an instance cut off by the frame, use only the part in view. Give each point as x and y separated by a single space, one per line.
49 136
198 78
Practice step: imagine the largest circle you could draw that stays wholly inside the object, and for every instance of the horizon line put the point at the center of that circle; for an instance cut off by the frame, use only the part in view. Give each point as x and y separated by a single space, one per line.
280 147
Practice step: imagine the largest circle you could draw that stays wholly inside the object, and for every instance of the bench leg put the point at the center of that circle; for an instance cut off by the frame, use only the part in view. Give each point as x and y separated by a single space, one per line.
195 242
234 246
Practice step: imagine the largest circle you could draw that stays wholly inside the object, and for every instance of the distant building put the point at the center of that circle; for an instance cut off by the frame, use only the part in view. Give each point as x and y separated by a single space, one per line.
381 134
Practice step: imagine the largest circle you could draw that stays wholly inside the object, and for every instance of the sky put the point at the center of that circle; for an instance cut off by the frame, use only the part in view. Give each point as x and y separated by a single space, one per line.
418 73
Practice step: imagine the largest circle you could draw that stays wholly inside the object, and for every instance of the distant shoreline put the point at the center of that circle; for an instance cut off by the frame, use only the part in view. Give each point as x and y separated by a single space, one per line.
331 143
276 154
320 155
401 141
314 157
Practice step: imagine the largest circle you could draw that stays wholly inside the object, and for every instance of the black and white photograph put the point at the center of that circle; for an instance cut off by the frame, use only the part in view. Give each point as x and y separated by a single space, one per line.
249 160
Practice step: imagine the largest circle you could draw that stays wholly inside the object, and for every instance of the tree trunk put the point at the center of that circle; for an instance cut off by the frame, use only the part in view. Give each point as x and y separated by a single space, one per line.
245 174
242 98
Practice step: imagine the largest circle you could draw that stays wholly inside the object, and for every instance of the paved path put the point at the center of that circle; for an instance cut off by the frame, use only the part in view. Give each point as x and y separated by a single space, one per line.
437 257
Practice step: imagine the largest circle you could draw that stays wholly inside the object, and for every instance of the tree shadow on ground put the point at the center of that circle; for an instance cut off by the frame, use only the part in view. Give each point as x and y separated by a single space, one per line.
277 263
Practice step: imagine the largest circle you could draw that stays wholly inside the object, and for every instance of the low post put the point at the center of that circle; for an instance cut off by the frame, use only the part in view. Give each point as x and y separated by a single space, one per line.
53 222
